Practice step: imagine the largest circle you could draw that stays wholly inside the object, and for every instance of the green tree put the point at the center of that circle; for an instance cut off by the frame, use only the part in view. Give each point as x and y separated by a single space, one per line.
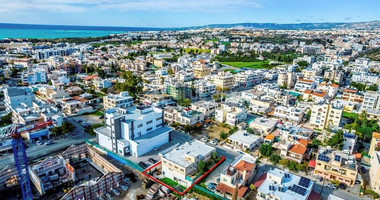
133 84
315 143
274 158
249 130
215 156
336 140
284 162
373 87
302 64
292 166
223 135
266 149
202 166
184 102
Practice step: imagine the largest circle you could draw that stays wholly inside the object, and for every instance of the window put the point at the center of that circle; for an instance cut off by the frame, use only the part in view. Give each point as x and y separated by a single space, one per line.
139 126
149 122
158 118
149 129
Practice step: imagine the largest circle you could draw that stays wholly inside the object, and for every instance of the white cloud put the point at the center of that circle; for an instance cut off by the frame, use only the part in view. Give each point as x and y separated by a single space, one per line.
127 5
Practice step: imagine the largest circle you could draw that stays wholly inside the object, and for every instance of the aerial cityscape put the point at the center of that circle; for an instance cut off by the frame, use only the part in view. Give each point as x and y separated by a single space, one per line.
242 100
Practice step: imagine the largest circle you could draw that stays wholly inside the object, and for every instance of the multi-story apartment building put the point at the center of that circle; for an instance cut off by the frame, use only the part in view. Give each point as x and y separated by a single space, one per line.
331 89
248 79
242 141
158 100
353 95
230 114
201 70
181 162
324 115
205 89
14 96
206 107
289 113
178 90
336 165
183 116
240 172
287 79
280 184
374 174
34 75
305 84
121 100
133 131
371 101
224 80
334 76
310 73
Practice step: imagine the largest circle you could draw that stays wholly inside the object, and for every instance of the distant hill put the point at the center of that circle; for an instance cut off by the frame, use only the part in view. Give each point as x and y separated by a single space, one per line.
300 26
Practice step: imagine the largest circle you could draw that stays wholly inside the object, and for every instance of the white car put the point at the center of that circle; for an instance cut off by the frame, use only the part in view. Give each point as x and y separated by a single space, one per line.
213 143
204 140
123 187
39 143
331 186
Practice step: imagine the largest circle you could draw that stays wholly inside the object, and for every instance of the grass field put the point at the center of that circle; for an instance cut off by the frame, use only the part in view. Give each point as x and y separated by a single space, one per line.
198 50
252 65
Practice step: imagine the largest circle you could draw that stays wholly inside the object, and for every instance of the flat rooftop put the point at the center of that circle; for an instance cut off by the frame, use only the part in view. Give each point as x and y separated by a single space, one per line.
194 148
244 137
152 134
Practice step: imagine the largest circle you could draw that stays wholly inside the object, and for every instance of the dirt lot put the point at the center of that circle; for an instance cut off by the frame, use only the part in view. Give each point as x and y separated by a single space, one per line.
216 130
89 119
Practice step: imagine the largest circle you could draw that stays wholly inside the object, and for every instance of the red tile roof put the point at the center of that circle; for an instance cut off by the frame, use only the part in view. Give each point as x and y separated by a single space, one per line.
223 188
260 180
298 149
244 166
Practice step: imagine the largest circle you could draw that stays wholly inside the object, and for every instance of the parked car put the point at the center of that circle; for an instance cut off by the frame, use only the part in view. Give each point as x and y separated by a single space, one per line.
156 148
363 169
331 186
109 196
84 124
39 143
206 136
213 142
101 117
153 161
143 165
342 186
218 180
211 186
204 140
49 142
358 182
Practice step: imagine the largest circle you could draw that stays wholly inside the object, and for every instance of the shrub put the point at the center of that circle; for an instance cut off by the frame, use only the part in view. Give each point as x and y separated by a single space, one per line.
274 158
371 192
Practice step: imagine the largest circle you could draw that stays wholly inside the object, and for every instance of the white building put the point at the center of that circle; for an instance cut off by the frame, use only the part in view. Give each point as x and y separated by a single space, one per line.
230 114
34 75
14 96
289 113
135 131
242 140
206 107
182 161
280 184
121 100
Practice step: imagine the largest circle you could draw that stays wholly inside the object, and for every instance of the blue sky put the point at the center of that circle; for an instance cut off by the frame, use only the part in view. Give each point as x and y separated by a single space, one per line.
179 13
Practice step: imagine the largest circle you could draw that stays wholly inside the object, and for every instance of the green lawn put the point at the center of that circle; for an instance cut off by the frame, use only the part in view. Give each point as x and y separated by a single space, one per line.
172 183
349 115
252 65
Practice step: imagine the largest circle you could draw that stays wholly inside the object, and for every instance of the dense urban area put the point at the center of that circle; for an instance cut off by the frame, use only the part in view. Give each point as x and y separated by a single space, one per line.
210 113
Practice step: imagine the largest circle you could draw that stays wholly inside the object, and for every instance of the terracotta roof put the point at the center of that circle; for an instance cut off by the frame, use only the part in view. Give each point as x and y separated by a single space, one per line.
350 90
298 149
303 142
223 188
305 80
269 137
244 166
198 124
334 85
308 91
90 77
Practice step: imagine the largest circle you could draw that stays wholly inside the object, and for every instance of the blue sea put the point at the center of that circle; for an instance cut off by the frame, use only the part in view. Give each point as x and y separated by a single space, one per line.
62 31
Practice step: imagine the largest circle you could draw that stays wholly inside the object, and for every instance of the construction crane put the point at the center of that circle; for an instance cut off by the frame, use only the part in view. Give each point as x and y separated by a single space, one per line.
19 154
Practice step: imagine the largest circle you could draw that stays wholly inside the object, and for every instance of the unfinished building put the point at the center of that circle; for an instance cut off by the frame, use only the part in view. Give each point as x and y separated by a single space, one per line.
50 173
87 165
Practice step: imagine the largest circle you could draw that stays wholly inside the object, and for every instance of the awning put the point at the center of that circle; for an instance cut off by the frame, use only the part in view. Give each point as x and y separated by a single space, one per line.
312 163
